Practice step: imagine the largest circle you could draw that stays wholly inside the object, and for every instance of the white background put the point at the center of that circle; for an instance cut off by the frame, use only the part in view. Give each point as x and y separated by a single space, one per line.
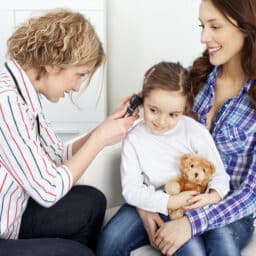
141 33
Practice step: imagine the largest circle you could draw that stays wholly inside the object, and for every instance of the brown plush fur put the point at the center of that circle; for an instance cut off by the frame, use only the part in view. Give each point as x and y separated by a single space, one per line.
195 172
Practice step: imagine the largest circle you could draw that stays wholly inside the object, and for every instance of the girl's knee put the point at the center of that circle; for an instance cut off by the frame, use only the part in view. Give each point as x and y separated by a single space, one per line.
113 240
109 237
107 243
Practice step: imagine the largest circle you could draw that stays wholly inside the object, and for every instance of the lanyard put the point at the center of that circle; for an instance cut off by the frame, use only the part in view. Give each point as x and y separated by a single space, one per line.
19 91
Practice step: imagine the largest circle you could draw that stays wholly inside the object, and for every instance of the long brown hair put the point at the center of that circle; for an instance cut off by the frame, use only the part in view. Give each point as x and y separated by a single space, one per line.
168 76
244 13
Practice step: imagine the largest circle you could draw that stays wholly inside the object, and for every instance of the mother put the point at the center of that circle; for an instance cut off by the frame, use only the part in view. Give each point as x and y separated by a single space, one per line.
223 80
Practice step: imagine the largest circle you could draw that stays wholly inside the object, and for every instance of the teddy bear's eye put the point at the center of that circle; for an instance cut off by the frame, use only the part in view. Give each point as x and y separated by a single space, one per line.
192 166
203 170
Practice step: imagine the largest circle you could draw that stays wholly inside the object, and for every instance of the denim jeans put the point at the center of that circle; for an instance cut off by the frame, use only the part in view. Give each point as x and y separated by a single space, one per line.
125 232
70 227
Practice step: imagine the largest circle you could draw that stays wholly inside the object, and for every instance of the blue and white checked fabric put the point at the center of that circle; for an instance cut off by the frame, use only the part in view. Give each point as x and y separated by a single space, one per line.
234 132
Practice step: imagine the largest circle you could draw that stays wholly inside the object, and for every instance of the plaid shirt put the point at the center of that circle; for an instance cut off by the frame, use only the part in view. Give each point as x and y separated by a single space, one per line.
234 132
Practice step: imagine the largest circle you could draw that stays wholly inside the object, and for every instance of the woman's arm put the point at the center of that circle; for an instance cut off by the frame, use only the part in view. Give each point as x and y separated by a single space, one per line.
111 131
201 200
77 144
237 205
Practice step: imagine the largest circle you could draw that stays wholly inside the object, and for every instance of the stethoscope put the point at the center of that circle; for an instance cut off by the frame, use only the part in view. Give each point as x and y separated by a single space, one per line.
19 91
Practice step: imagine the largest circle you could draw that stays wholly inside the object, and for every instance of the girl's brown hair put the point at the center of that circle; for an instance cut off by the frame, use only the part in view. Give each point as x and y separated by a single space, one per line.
61 37
168 76
244 13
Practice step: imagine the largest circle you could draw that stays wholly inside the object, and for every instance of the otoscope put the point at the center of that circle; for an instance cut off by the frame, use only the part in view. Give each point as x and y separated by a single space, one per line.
135 101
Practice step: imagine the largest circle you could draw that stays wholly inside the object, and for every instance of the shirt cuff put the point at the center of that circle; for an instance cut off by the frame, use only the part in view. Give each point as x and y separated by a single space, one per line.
163 203
198 220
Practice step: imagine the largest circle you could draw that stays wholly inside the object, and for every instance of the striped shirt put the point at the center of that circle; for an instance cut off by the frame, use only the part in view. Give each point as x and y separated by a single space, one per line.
31 157
234 132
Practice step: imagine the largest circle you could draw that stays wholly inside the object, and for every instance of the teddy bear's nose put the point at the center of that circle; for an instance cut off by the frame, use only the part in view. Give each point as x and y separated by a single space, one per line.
196 175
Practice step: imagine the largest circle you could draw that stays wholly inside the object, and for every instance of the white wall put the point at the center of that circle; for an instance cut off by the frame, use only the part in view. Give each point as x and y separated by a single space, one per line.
143 32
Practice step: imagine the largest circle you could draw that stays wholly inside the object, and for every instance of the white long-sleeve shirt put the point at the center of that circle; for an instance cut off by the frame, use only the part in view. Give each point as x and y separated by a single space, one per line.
149 161
31 159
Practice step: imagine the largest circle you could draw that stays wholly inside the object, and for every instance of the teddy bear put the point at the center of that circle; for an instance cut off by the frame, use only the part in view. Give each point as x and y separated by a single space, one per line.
195 172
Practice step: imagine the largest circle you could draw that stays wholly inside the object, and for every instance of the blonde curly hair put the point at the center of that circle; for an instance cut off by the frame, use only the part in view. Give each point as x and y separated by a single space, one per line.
61 38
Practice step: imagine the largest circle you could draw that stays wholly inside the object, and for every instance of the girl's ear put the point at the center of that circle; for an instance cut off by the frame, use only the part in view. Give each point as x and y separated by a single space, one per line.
52 69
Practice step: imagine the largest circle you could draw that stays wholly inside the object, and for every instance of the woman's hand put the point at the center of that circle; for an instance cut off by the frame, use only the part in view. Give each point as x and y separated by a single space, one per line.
121 110
115 127
151 222
202 200
172 235
111 131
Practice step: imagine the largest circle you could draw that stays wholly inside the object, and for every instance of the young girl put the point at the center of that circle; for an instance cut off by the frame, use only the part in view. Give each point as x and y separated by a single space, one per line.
151 153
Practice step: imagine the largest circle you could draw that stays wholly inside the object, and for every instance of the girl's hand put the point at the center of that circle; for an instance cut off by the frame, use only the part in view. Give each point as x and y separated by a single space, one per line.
181 200
151 222
172 235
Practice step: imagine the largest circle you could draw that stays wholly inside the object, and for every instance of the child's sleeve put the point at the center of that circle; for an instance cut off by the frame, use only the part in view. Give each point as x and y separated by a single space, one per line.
204 145
135 190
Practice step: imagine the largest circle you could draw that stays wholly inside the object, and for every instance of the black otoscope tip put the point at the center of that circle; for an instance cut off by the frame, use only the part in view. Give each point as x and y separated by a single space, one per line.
135 101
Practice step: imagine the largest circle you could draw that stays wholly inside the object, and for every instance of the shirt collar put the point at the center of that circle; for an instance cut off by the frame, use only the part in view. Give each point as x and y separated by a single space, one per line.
211 80
25 87
247 86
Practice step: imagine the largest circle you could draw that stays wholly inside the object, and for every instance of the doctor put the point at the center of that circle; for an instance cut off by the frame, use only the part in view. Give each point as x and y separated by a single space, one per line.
41 213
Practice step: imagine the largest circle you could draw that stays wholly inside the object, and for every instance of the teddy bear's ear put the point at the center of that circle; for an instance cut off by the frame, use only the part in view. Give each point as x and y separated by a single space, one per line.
211 167
184 159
